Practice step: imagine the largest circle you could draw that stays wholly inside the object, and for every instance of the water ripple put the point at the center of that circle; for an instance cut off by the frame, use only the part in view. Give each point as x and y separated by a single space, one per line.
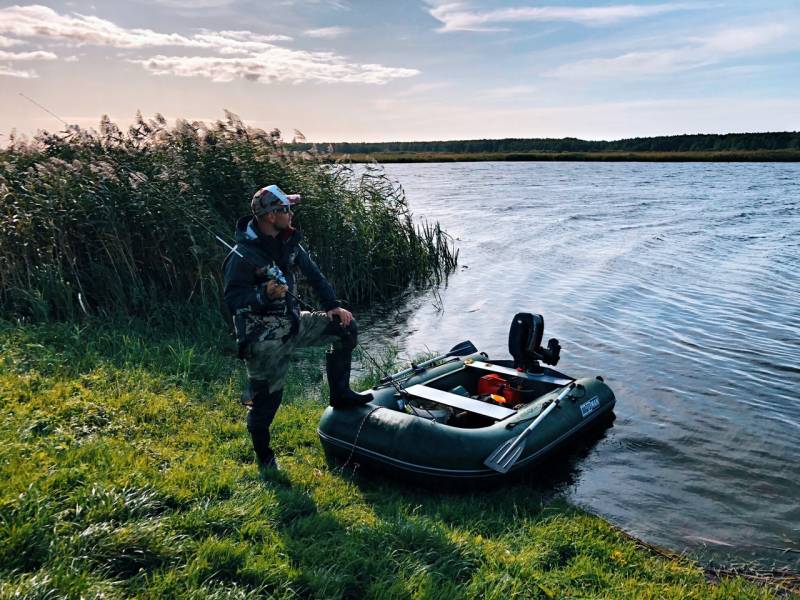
679 283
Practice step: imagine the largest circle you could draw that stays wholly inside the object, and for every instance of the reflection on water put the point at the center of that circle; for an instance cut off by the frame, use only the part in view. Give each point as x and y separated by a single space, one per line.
563 469
679 284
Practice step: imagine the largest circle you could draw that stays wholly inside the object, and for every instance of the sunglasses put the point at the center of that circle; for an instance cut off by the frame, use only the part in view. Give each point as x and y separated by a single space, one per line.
282 209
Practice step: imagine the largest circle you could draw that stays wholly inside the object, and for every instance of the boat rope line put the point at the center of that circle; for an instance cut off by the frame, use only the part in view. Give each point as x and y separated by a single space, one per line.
408 466
358 433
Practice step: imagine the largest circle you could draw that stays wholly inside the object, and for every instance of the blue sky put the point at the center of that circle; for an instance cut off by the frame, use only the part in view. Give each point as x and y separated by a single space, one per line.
347 70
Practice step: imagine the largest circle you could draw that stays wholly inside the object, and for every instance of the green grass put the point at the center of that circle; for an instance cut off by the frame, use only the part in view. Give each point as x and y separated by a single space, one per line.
126 470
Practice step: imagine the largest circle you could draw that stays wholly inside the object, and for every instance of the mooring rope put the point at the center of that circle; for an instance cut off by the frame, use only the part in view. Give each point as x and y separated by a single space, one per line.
358 433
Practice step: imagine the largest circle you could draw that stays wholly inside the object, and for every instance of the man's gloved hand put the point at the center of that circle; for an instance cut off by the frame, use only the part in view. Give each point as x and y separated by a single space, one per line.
274 290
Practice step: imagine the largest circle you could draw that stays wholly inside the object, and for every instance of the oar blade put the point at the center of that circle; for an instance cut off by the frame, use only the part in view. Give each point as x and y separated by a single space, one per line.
506 455
462 349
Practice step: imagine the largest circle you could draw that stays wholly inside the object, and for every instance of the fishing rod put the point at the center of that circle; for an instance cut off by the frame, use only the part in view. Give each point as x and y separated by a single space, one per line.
401 391
274 273
49 112
271 273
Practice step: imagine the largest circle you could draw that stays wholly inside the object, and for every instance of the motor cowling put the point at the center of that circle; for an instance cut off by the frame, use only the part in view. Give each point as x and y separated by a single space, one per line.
525 343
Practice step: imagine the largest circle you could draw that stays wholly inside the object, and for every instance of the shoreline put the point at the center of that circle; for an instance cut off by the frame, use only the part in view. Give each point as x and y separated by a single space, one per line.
784 581
172 473
784 156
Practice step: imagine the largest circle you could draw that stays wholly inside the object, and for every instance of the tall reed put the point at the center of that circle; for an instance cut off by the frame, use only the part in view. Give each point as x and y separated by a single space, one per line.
117 221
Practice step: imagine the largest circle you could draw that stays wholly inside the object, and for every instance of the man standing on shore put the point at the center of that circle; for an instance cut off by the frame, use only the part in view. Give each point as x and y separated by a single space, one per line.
267 317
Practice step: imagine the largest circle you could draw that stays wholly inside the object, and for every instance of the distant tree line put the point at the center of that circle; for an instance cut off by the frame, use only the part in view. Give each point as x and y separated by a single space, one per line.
783 140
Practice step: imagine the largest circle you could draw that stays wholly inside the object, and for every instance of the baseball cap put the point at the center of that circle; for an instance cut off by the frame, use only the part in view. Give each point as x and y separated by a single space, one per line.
271 198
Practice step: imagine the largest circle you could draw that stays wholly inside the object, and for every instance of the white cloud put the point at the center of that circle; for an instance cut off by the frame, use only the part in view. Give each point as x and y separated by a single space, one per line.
695 53
249 36
327 32
275 65
456 16
72 58
226 44
9 72
8 42
261 60
420 92
37 55
631 65
741 39
41 21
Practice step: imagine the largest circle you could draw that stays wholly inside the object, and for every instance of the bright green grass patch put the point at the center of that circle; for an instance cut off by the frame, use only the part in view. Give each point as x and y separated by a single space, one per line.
126 470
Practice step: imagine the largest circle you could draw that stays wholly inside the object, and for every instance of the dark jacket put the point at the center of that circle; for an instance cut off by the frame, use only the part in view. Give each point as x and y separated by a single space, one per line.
244 283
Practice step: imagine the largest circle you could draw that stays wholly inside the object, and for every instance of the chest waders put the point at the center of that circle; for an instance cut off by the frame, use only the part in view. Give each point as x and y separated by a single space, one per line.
264 390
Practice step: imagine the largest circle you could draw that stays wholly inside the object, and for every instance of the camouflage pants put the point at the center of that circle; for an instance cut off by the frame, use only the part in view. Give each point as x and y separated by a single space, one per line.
268 354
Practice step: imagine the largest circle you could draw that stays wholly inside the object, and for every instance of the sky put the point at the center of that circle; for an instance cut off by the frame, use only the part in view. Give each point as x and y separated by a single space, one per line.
353 70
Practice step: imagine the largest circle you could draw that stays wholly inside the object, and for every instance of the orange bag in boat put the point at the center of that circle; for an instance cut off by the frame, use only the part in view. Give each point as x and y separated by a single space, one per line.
500 389
501 400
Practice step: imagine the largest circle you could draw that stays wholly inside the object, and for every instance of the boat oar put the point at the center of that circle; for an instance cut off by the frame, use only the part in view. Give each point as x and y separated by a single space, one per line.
462 349
506 455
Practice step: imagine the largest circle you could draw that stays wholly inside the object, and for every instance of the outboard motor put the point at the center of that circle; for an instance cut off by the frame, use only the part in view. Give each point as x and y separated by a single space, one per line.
524 343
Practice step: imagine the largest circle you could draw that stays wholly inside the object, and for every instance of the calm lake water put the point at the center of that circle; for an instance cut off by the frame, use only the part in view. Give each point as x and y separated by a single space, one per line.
680 284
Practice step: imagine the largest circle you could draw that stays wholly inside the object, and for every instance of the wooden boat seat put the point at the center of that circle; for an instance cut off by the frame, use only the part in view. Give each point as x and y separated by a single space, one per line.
493 411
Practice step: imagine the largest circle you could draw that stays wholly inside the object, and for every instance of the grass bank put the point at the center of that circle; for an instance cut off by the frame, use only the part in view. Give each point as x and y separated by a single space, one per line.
615 156
126 470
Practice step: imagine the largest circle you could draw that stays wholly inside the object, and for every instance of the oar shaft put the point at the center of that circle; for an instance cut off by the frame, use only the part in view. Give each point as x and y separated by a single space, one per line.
461 349
520 439
564 393
504 457
414 367
539 419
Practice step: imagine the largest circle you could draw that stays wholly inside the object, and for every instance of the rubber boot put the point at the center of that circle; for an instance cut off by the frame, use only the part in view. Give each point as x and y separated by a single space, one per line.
260 414
265 458
337 365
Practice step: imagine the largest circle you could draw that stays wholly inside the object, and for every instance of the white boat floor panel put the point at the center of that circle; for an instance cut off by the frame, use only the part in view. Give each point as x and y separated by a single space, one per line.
492 411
